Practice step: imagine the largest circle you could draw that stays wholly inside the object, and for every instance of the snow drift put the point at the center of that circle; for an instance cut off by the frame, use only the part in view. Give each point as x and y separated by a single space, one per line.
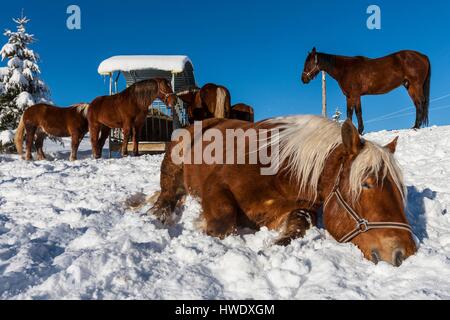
66 234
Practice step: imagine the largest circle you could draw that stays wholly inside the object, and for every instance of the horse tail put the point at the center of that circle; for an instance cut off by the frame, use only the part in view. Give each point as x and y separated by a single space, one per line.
426 97
221 97
18 138
83 109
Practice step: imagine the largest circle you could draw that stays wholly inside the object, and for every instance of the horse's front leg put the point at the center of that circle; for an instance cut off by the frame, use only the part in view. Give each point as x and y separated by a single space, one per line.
126 137
135 142
295 226
94 130
104 135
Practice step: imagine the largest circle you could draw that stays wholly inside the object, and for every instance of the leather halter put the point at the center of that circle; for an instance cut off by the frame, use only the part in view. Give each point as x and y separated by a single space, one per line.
166 95
316 68
362 225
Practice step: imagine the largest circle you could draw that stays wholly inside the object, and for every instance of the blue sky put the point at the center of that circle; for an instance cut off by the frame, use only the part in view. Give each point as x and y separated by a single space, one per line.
255 48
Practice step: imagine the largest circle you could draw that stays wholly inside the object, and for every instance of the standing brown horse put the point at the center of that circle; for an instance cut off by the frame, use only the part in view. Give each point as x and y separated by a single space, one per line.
321 164
127 110
211 101
42 120
242 112
359 76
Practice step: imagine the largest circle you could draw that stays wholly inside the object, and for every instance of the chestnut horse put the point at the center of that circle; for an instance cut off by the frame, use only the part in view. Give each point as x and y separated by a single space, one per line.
211 101
42 120
242 112
360 76
127 110
321 165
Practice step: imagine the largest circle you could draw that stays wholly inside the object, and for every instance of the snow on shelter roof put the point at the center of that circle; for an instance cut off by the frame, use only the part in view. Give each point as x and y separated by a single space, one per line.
174 64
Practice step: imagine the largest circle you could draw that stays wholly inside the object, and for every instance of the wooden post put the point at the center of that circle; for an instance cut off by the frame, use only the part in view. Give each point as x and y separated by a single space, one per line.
112 130
324 94
110 84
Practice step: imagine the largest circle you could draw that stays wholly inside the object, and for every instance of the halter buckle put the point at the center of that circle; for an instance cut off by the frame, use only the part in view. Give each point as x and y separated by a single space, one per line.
363 225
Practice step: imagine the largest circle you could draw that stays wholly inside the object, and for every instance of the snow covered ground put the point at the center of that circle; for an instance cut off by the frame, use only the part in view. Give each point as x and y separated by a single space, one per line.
65 233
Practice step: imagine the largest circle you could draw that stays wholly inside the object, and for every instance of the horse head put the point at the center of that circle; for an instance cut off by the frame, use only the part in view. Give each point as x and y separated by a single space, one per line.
166 94
311 68
192 102
365 199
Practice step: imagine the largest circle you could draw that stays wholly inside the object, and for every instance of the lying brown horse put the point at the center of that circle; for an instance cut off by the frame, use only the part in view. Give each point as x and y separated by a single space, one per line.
321 164
360 76
242 112
211 101
42 120
127 110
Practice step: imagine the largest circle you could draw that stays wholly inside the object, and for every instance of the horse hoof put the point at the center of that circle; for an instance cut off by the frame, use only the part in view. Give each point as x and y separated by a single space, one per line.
164 215
283 242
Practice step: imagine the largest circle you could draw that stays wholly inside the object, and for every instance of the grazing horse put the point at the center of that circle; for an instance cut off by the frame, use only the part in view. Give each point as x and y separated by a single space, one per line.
242 112
321 165
127 110
211 101
359 76
42 120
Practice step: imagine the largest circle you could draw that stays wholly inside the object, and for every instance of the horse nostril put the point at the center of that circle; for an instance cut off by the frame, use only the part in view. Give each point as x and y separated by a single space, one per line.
398 257
375 256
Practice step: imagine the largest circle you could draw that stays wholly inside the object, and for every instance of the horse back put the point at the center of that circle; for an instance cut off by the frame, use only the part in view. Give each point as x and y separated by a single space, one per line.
114 111
197 175
56 121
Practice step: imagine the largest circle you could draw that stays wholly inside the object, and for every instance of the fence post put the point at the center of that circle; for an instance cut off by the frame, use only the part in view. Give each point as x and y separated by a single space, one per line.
324 94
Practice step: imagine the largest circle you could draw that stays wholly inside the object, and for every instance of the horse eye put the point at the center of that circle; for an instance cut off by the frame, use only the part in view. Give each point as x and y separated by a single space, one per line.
367 186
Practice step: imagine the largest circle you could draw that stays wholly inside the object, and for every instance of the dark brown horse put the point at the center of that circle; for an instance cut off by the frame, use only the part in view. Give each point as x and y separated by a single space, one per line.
211 101
359 76
358 184
126 110
42 120
242 112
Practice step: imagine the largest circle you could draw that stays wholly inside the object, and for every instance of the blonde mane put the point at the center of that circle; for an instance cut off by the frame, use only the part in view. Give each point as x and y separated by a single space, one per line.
306 142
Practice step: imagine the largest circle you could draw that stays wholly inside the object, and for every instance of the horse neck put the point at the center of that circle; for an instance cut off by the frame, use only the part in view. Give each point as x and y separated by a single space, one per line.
331 64
326 182
141 100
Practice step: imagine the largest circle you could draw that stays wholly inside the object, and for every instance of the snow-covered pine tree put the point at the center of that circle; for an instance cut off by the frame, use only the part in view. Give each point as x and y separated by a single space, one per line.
337 115
20 83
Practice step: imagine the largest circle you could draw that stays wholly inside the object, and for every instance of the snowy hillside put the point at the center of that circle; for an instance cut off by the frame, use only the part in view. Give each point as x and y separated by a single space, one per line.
65 233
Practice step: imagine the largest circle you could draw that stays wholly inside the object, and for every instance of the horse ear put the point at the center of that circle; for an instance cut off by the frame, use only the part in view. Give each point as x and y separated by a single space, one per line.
392 147
350 138
314 50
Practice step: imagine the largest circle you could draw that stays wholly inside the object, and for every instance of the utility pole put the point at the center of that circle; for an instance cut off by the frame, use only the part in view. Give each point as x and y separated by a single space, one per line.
324 94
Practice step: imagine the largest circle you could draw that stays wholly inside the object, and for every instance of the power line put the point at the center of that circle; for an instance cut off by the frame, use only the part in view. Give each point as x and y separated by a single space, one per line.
408 114
388 115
